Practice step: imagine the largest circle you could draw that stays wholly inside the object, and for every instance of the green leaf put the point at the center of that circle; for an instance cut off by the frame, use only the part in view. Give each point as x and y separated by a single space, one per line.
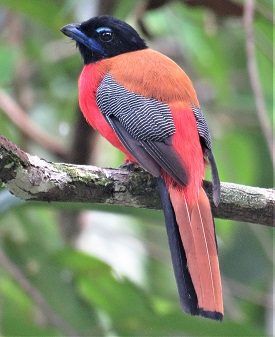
8 57
81 263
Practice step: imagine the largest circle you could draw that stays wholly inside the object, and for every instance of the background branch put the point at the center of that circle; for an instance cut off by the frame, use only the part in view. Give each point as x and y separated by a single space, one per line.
31 130
249 9
31 178
51 317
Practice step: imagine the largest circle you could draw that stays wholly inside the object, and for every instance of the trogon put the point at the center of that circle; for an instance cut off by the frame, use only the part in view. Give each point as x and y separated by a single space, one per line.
145 105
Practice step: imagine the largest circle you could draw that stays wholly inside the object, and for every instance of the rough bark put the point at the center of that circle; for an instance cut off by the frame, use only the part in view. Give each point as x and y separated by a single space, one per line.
31 178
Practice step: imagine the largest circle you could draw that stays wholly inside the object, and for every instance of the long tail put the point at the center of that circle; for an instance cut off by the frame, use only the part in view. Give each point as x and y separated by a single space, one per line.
193 247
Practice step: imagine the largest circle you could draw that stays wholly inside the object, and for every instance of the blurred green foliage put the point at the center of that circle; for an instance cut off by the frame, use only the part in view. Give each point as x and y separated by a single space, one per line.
83 293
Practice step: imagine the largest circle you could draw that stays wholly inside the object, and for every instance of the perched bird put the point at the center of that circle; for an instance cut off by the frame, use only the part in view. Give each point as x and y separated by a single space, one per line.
144 104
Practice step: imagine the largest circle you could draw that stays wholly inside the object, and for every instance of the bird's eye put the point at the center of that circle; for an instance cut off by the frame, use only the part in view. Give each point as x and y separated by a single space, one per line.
105 34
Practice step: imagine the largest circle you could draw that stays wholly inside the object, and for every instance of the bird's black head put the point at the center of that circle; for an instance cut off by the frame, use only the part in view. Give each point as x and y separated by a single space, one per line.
103 37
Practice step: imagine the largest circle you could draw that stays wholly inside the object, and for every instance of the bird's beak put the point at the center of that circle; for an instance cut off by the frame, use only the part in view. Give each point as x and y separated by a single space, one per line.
73 31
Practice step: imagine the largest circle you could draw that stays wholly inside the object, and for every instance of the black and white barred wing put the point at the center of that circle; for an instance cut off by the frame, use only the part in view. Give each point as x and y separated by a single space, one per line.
144 126
205 139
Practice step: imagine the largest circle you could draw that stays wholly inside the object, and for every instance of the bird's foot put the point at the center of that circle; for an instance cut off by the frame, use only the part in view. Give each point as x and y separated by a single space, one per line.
130 166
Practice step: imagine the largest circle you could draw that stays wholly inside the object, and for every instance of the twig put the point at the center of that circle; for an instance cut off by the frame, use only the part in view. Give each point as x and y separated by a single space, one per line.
52 318
31 178
249 8
19 117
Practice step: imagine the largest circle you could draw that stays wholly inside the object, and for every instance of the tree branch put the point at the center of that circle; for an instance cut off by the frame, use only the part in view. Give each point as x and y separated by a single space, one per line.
31 178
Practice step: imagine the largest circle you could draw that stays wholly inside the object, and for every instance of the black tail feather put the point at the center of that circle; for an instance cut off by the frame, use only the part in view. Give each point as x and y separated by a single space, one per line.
188 297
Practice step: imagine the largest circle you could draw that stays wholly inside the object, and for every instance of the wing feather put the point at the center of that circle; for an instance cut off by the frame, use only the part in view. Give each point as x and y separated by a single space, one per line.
169 159
144 126
205 139
134 147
